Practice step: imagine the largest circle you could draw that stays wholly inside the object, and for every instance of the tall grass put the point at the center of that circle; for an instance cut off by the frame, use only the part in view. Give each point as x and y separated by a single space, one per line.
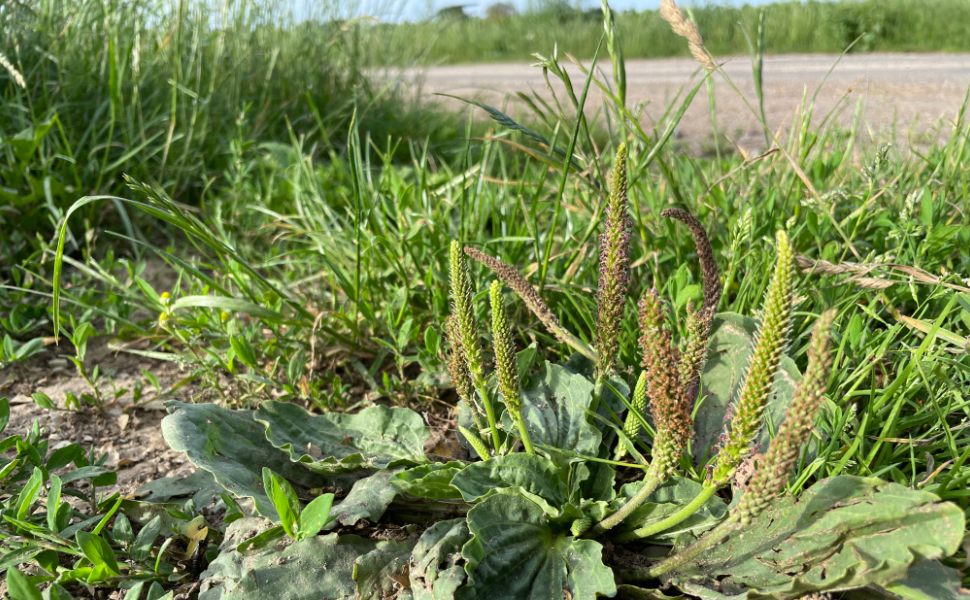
793 26
180 94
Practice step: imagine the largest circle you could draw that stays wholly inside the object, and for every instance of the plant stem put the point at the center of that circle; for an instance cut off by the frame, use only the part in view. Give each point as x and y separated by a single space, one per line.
482 390
650 483
597 393
524 434
706 542
673 519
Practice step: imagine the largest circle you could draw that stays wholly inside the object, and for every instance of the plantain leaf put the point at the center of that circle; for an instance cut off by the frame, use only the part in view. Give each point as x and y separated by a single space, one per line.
429 481
310 569
437 570
553 407
231 445
669 498
383 572
731 344
332 443
368 499
929 580
534 477
844 533
516 553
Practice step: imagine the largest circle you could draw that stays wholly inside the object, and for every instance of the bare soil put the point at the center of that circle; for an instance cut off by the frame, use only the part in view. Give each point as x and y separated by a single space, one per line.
128 433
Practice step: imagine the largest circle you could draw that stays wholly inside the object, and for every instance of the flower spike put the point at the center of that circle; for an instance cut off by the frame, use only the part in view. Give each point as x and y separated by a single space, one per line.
773 471
668 402
464 313
537 305
505 363
614 269
772 339
705 254
631 428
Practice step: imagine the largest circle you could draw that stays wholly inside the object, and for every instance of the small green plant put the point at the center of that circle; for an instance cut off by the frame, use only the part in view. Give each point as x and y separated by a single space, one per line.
295 522
113 542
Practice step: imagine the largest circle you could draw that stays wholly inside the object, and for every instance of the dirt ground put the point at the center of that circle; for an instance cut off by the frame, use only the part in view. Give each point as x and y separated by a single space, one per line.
128 433
902 95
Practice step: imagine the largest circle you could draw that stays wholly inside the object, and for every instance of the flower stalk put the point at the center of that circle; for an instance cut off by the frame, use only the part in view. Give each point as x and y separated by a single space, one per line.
505 364
464 314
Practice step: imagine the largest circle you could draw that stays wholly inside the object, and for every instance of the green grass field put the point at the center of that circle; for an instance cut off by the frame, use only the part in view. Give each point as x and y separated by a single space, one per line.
303 213
811 26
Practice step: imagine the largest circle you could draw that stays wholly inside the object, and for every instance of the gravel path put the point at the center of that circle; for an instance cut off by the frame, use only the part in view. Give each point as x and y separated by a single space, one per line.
905 95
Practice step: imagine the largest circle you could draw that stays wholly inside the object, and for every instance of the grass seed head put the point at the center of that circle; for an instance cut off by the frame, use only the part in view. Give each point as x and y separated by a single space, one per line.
687 29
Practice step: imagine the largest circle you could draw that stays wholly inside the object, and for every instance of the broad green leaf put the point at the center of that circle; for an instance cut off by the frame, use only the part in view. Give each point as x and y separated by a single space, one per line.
315 515
332 443
311 569
669 498
535 477
262 540
553 403
368 499
383 572
284 499
56 592
844 533
232 446
53 502
436 568
929 580
19 587
98 552
516 553
429 481
200 487
731 344
121 531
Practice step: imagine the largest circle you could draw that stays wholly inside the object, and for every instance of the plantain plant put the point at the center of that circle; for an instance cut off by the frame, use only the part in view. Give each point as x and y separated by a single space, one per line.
529 514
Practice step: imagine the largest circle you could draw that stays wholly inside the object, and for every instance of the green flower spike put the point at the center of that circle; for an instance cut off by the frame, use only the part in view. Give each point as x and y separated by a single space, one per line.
580 526
614 269
464 312
694 354
632 426
774 470
475 442
458 369
505 363
772 339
